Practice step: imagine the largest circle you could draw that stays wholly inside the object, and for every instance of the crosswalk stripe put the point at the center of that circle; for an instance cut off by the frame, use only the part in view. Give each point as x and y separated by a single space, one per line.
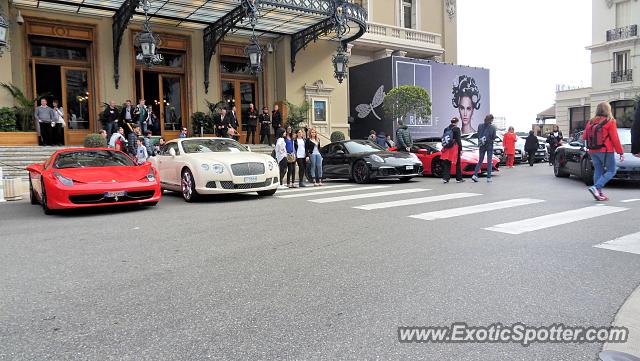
480 208
413 201
368 195
630 200
351 189
629 243
555 219
308 188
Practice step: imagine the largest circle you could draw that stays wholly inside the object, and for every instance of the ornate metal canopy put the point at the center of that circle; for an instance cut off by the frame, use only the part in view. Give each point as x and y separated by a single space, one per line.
304 20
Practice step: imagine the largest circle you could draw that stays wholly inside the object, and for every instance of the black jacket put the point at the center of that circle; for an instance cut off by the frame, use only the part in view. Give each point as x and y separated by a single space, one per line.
265 120
252 118
231 120
457 136
109 115
489 131
124 113
531 143
309 145
553 140
635 131
276 119
218 121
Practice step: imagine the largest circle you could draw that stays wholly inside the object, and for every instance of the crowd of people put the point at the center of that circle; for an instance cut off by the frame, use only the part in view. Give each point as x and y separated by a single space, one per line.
299 149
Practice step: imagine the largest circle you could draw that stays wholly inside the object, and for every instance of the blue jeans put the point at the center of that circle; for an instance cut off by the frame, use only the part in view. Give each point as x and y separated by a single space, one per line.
316 167
489 153
602 161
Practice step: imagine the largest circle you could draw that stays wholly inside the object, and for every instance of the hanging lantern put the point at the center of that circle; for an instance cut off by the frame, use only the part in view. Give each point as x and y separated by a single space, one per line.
340 63
147 42
254 53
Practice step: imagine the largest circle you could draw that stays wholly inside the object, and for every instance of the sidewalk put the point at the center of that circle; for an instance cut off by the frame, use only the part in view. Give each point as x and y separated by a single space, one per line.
628 316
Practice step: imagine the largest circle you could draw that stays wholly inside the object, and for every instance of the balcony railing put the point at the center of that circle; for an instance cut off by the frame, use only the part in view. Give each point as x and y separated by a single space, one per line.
403 33
622 33
622 76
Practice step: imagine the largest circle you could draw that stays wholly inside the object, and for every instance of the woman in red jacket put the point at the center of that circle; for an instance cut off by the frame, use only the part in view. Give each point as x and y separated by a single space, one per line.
509 142
602 130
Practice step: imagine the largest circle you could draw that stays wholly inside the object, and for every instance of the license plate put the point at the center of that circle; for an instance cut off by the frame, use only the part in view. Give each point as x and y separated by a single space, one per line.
115 194
251 179
409 167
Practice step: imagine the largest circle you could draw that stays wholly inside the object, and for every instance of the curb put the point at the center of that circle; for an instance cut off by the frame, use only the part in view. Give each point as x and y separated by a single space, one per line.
628 316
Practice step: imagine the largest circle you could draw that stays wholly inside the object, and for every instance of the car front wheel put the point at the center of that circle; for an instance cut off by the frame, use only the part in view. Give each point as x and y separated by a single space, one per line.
436 168
587 171
188 186
32 196
557 169
361 173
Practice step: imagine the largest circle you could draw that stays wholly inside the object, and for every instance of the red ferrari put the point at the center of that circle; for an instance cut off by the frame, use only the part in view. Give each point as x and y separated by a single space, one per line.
429 153
88 177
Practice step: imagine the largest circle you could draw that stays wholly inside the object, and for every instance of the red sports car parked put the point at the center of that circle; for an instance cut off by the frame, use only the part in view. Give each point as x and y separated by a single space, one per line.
429 152
87 177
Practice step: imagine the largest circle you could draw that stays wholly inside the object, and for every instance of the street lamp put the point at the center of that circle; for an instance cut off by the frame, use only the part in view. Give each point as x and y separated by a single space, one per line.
340 62
254 53
147 41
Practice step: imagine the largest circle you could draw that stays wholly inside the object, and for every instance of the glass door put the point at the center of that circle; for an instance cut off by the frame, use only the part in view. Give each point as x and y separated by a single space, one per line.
240 93
77 101
171 102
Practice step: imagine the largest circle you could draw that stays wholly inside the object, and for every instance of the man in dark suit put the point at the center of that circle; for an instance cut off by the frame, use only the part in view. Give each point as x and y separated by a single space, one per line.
251 124
276 119
219 123
232 121
128 117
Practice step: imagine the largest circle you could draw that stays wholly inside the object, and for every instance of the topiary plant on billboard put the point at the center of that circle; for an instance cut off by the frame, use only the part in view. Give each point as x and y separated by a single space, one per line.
405 100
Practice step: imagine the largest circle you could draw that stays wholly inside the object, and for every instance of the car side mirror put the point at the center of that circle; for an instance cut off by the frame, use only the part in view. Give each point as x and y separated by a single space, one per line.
172 152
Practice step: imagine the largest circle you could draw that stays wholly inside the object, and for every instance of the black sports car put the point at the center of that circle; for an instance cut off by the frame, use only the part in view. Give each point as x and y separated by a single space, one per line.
573 159
363 161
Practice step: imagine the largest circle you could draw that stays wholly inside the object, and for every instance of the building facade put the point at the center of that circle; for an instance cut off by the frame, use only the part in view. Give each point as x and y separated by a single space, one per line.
615 59
83 54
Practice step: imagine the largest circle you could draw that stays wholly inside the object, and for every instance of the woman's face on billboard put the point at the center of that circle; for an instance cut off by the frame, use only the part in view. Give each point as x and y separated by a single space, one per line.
465 107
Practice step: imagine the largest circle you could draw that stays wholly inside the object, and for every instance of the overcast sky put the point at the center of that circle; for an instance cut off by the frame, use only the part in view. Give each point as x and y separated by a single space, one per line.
529 47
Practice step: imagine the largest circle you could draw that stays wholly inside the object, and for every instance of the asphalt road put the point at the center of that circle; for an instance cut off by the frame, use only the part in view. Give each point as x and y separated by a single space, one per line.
306 277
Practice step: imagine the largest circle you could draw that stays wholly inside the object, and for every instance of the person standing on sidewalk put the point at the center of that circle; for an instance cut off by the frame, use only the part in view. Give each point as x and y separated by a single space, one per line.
141 115
281 156
127 116
46 118
486 136
403 138
509 141
110 118
635 132
265 126
276 118
601 136
555 140
451 155
313 152
291 158
58 130
251 124
531 147
301 156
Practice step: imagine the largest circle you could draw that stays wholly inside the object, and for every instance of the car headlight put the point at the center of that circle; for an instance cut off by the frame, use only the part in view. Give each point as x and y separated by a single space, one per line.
217 168
64 180
151 177
377 158
205 167
270 165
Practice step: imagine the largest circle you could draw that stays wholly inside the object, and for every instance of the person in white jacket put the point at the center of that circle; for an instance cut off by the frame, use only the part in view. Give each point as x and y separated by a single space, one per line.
281 155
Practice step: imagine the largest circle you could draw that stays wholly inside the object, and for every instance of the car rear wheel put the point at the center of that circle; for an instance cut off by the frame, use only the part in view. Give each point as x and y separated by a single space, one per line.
436 167
267 193
361 173
43 200
586 171
557 169
32 196
188 186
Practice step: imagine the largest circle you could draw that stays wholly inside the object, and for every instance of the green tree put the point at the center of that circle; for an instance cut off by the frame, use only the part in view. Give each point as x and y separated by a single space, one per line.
297 115
407 99
25 107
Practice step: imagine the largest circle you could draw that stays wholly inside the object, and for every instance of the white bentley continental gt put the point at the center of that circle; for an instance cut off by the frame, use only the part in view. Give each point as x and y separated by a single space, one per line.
197 166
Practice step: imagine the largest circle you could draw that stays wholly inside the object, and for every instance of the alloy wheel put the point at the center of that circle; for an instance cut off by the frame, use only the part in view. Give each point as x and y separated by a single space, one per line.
187 186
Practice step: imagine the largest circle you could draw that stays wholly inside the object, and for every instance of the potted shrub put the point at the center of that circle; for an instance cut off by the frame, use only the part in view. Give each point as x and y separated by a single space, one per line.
7 119
94 140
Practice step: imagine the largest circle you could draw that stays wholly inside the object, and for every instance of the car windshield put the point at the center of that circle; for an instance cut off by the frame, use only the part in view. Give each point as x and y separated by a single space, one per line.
362 147
92 158
212 145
